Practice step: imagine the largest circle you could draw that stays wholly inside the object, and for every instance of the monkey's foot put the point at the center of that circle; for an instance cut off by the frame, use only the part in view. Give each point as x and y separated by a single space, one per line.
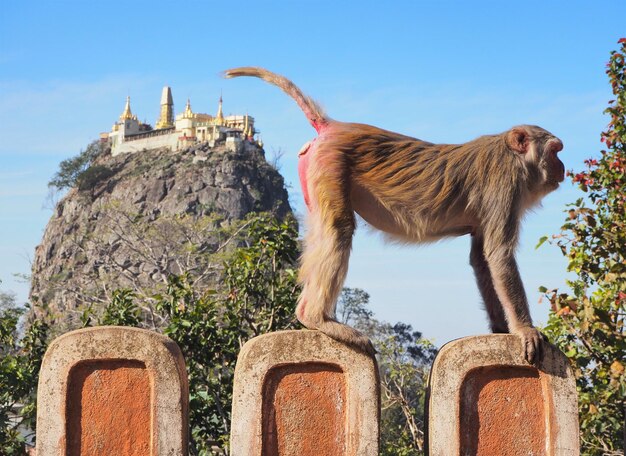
346 334
532 343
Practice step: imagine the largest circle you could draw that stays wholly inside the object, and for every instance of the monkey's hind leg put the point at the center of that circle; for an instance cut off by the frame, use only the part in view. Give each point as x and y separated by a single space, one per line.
324 264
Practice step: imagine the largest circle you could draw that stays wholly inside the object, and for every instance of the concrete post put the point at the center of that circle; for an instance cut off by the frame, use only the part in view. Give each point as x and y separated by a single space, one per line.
301 393
112 390
485 399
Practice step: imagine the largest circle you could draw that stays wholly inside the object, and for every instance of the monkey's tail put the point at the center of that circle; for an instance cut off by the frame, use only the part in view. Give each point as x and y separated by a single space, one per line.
313 112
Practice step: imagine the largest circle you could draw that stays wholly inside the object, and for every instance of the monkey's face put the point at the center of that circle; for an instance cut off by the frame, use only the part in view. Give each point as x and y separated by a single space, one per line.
539 149
552 167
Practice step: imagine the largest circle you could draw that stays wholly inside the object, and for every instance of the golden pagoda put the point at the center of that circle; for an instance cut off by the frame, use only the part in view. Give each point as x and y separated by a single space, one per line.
178 132
127 114
166 120
219 118
188 113
248 129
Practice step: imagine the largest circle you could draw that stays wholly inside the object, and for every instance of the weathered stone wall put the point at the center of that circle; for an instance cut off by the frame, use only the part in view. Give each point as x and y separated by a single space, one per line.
154 142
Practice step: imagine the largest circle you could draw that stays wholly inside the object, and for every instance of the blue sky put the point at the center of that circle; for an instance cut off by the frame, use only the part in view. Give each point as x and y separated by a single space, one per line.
439 70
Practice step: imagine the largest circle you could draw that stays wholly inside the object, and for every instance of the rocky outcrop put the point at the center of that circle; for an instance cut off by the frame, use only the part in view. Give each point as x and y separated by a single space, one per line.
141 217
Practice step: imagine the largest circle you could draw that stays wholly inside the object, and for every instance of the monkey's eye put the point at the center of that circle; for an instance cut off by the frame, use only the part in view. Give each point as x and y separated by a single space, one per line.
555 146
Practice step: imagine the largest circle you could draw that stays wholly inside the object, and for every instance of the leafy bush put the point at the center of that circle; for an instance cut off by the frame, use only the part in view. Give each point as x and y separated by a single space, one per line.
259 296
20 359
588 324
89 178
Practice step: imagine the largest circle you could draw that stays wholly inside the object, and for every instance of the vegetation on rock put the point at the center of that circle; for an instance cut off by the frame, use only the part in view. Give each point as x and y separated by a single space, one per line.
256 294
151 215
78 171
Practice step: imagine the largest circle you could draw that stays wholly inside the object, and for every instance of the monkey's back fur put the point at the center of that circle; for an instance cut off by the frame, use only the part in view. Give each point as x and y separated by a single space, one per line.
422 183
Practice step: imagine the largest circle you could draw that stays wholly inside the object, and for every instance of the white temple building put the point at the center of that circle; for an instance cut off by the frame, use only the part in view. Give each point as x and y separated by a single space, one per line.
188 128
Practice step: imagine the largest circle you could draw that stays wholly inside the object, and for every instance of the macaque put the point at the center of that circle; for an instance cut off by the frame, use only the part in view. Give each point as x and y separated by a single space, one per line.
416 191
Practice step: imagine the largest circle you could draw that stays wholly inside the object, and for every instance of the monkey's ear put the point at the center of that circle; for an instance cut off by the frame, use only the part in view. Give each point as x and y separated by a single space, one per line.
517 139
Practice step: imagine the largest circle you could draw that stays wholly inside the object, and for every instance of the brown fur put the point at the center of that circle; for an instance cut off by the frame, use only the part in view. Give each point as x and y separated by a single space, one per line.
416 191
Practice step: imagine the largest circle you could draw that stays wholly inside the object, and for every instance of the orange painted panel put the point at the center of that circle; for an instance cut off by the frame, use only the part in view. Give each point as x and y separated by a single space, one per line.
108 412
304 411
503 412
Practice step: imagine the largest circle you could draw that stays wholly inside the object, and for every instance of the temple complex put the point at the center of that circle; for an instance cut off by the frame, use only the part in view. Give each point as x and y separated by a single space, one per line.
187 128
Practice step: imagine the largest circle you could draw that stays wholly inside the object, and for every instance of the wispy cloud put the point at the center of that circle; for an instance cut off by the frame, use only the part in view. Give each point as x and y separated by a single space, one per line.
60 116
20 193
10 175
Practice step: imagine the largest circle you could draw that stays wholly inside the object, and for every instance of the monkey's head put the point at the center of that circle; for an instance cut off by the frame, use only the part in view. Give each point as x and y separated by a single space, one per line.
539 149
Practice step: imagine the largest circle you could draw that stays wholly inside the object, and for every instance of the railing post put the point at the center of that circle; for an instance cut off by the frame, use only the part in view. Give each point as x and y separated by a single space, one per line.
302 393
112 391
485 399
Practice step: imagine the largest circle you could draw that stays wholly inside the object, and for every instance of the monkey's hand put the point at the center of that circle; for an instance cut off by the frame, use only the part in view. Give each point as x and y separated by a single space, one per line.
532 343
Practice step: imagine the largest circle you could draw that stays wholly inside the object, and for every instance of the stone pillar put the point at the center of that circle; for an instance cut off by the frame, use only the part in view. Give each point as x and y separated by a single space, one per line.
112 390
301 393
485 399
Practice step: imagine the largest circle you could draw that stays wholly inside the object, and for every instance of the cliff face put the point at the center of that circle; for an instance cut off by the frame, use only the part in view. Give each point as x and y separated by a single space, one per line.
146 215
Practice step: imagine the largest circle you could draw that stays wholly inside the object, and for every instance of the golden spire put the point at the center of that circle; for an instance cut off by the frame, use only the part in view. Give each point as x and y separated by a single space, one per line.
188 113
220 116
127 114
166 119
248 128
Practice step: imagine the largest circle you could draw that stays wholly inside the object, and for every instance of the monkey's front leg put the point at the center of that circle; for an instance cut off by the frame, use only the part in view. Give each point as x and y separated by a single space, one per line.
493 306
510 291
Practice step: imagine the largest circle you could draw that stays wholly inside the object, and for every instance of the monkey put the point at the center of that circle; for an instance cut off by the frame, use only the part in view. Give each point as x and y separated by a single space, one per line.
416 191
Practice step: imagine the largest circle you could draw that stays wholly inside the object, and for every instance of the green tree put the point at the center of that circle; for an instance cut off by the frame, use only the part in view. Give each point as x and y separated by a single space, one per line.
588 323
258 296
76 171
404 359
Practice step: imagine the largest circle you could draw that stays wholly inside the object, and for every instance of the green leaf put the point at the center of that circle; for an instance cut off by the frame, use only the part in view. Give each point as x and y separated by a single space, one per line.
542 239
